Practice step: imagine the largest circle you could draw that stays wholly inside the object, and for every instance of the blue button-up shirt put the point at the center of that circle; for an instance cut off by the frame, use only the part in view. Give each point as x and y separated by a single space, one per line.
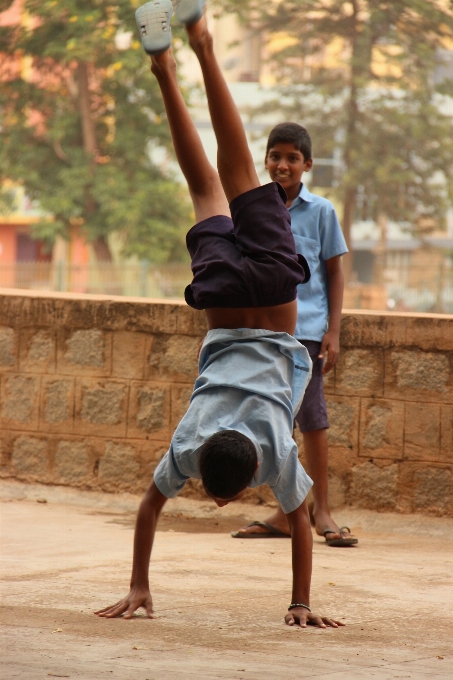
318 237
251 381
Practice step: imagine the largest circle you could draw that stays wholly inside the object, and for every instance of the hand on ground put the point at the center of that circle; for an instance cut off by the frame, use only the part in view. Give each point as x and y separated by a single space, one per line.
302 617
128 605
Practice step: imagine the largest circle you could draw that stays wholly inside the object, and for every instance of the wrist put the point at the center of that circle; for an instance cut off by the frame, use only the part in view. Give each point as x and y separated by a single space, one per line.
139 583
334 328
296 605
305 598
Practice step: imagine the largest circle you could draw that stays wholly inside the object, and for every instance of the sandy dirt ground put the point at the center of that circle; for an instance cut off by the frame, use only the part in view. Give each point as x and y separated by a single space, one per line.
219 602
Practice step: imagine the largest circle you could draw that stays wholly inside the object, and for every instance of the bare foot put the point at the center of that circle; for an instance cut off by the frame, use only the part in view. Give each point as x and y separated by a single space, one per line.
163 62
323 521
327 527
198 33
277 521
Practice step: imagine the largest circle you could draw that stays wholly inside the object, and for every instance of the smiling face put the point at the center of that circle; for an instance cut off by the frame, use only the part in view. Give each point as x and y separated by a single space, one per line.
286 165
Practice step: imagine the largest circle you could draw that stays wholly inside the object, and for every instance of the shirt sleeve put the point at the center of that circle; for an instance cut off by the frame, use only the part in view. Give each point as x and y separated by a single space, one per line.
167 477
293 484
331 236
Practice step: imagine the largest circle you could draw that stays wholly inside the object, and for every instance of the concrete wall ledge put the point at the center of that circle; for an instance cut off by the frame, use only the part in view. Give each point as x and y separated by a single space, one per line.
92 387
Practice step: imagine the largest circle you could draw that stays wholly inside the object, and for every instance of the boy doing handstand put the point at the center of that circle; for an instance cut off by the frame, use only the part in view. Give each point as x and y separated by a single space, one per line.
237 432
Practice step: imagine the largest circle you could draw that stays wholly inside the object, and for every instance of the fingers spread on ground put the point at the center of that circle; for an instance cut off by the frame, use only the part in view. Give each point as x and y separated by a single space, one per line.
116 611
130 612
289 620
106 612
106 609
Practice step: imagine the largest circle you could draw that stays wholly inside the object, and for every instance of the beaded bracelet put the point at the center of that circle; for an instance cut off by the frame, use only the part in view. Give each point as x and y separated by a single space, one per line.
293 606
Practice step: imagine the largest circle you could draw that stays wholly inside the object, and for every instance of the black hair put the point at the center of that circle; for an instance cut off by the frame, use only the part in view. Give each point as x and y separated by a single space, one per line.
290 133
228 462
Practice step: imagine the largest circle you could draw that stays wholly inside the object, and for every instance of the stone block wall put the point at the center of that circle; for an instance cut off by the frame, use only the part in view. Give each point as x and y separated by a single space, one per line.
390 403
91 389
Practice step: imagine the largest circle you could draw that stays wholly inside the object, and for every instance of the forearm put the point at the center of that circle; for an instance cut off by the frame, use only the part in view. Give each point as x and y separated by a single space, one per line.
335 285
145 528
302 548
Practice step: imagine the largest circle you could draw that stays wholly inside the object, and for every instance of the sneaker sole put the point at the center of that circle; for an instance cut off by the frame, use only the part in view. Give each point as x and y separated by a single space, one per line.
153 22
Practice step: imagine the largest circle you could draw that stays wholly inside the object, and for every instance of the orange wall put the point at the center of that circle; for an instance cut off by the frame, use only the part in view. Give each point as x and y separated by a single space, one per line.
7 254
7 243
79 257
79 252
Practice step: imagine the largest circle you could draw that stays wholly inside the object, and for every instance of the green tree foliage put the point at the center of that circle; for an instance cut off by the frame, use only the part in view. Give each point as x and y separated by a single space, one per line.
377 104
79 117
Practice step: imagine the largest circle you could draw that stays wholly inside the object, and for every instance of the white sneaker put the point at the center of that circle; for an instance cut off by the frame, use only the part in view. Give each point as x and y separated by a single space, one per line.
188 11
153 21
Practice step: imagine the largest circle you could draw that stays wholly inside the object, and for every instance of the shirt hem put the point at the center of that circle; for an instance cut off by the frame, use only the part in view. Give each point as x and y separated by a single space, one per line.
165 490
297 504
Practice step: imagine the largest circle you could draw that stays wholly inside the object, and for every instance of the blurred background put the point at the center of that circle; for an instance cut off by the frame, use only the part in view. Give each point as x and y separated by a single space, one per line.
92 201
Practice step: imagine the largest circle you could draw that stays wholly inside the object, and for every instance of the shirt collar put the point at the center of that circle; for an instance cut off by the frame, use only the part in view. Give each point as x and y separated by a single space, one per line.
304 195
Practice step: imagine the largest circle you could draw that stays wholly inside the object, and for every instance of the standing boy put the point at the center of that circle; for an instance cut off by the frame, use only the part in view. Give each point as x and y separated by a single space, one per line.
237 430
318 236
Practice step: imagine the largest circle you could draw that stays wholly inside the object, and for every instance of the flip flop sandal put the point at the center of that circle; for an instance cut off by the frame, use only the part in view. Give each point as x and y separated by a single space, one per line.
153 21
188 11
272 532
341 542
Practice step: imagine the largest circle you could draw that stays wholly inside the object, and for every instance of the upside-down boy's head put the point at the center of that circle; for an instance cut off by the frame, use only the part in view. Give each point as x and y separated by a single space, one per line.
228 462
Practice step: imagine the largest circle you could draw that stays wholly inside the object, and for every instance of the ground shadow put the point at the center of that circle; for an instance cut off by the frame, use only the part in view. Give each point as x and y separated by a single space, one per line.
187 524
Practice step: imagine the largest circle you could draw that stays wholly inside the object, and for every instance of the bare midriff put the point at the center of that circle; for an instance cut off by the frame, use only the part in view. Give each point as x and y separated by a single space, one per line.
279 318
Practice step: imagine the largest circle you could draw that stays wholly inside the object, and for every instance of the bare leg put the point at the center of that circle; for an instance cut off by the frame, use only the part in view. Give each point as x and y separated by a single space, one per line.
234 160
205 187
316 456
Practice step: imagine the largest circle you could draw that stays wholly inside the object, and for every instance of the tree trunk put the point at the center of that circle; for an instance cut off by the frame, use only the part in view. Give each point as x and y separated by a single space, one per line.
360 64
88 127
438 305
380 251
348 215
102 249
100 245
108 271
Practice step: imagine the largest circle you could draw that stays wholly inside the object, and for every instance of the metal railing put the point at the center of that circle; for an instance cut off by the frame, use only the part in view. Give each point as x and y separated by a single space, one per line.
142 280
401 284
408 290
